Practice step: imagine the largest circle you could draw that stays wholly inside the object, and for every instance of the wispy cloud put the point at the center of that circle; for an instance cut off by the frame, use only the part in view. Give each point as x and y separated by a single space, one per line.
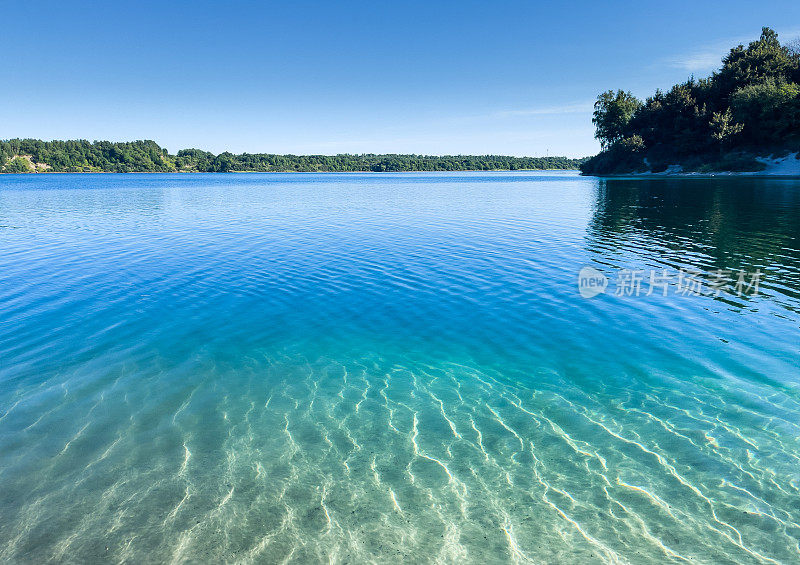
709 57
499 116
578 108
702 61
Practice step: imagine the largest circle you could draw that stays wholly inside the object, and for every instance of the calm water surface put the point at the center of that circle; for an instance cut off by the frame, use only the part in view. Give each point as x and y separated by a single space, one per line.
351 368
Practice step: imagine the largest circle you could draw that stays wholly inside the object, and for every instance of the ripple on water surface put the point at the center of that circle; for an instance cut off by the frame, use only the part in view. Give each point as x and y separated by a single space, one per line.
353 368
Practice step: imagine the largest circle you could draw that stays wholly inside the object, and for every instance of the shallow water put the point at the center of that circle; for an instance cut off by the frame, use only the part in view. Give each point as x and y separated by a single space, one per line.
347 368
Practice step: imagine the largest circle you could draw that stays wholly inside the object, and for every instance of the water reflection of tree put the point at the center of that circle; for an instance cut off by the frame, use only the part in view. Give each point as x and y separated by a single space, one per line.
704 224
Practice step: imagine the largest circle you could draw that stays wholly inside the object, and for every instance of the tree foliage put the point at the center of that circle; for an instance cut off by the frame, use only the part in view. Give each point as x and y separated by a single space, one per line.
612 112
84 156
751 105
723 128
18 165
147 156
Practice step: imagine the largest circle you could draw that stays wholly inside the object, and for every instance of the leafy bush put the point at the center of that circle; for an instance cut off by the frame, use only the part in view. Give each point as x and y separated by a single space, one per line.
733 162
624 156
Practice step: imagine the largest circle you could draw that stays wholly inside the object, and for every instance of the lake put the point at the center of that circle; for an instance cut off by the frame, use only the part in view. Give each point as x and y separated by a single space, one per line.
469 367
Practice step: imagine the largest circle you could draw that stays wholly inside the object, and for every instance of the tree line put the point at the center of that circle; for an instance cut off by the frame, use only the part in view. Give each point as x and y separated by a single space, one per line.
749 107
33 155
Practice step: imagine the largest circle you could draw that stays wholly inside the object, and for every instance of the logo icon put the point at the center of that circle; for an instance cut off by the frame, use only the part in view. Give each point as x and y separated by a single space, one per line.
591 282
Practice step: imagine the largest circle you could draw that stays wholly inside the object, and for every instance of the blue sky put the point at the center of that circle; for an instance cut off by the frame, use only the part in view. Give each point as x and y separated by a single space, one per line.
514 78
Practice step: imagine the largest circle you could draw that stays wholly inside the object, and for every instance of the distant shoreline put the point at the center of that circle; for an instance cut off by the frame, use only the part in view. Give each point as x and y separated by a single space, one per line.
80 156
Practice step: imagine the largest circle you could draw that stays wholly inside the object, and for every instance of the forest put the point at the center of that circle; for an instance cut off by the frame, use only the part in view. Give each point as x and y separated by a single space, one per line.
748 108
33 155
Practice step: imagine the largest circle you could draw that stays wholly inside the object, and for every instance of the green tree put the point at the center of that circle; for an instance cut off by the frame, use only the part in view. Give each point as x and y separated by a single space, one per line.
723 128
762 59
612 112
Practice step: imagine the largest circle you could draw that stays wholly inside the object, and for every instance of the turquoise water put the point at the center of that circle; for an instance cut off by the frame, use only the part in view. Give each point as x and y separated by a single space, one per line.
349 368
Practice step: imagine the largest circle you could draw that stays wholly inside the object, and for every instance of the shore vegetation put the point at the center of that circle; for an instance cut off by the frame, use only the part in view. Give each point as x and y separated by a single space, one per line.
33 155
748 108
